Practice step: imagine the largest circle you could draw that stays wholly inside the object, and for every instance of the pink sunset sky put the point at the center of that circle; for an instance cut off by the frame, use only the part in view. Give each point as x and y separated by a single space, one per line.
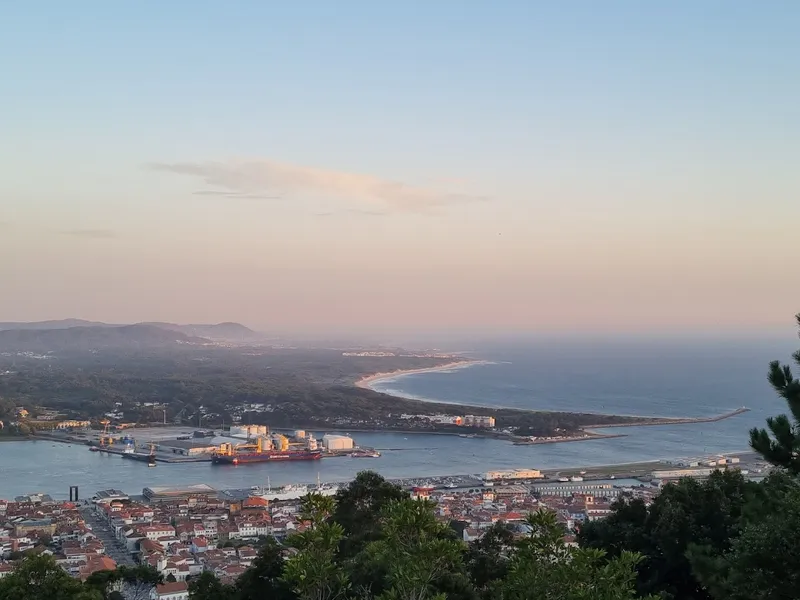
603 169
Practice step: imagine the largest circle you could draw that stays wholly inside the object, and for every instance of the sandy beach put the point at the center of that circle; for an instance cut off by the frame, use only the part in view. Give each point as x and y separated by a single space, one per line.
370 380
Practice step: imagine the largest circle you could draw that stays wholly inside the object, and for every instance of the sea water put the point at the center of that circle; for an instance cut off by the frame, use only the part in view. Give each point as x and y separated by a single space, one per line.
633 377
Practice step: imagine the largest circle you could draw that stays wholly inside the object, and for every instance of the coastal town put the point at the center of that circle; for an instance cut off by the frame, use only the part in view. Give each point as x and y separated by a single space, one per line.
184 531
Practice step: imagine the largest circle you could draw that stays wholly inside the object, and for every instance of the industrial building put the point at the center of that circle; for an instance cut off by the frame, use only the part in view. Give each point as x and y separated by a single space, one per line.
599 490
109 496
678 473
192 447
515 474
510 491
166 494
27 526
337 442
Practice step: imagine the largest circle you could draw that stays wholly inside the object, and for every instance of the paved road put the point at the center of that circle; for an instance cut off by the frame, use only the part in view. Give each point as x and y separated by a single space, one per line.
114 548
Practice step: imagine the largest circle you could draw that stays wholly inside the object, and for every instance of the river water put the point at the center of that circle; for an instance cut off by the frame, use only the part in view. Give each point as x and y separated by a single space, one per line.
649 378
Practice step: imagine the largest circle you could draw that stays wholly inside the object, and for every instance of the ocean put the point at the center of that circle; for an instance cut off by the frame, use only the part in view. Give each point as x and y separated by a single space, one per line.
667 377
634 377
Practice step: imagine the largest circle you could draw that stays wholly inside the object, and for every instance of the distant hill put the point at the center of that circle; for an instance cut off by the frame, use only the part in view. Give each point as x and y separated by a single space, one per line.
59 324
92 337
232 332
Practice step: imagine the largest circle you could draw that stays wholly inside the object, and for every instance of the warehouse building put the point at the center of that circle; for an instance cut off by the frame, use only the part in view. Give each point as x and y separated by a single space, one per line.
337 442
199 491
192 447
598 490
510 475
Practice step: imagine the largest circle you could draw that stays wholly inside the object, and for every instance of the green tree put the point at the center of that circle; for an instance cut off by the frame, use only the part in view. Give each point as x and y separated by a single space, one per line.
139 581
103 581
38 577
136 582
542 566
487 558
264 577
685 513
781 445
358 509
763 562
314 573
7 408
416 557
209 587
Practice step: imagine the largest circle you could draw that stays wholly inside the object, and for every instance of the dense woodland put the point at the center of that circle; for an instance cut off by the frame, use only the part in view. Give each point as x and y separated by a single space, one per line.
301 388
723 539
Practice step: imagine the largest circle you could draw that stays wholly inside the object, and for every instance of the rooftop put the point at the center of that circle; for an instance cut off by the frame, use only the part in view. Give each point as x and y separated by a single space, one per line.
166 491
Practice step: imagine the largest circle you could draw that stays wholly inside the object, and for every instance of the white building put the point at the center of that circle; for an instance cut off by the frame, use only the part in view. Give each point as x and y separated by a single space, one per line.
337 442
677 473
153 532
478 421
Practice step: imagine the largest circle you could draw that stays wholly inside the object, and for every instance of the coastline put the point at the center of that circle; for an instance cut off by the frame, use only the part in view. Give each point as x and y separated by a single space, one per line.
368 381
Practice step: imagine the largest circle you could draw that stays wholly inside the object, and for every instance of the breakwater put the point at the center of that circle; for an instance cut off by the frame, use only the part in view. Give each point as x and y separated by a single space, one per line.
674 421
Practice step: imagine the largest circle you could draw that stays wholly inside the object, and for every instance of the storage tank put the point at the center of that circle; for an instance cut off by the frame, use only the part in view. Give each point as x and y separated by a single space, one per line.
299 434
256 430
337 442
281 442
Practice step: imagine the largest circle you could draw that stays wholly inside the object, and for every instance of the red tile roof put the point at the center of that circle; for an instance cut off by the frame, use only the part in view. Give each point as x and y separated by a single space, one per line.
172 588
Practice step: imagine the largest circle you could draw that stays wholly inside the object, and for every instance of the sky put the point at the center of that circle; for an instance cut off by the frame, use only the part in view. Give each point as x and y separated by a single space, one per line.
435 166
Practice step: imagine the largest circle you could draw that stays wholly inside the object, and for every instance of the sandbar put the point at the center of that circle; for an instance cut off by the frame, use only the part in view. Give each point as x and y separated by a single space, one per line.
370 380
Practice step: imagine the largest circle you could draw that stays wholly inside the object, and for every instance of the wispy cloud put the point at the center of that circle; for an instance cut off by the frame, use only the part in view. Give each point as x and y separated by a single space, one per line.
255 178
231 194
90 234
354 211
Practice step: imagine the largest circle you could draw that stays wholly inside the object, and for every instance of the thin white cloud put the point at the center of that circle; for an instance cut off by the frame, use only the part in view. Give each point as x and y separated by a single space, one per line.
255 178
353 211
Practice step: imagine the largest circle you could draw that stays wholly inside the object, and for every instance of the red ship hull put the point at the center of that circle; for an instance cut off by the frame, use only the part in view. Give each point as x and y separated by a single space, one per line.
254 457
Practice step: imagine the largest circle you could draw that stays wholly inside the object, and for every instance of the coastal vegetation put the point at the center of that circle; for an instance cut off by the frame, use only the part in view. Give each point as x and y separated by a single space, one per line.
276 387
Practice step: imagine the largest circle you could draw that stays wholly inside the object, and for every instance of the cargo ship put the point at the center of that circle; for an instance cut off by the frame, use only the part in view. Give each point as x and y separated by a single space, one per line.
266 456
266 449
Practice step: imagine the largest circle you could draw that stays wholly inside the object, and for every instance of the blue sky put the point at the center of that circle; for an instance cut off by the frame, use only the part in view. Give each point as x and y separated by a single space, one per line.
560 166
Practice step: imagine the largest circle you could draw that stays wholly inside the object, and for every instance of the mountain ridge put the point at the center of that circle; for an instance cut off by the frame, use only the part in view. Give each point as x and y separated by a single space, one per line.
92 338
66 334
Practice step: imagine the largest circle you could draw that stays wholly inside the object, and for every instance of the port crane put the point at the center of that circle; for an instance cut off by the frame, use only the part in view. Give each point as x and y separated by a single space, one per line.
105 437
